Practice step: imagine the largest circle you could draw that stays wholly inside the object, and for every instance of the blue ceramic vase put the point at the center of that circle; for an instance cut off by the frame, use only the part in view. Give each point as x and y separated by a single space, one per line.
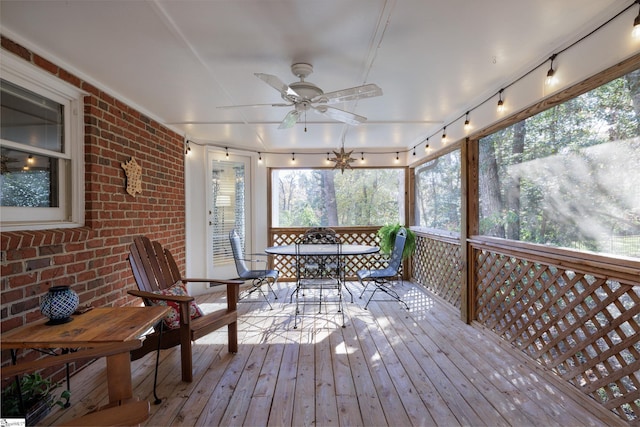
59 304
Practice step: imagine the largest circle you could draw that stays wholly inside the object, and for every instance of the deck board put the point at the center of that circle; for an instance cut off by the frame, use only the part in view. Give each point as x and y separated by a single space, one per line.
387 367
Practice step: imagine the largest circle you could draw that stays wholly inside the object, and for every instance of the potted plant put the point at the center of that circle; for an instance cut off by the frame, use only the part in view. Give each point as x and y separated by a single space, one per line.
37 398
387 236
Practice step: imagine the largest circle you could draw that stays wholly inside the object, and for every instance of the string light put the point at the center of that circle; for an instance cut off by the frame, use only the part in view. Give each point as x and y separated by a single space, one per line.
293 157
30 159
227 151
187 149
414 150
551 78
328 159
362 157
397 156
444 134
426 146
259 157
635 33
467 123
500 102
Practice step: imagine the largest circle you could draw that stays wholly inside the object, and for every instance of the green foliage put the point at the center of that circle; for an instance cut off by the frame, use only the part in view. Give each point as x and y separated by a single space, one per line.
34 388
387 235
329 198
567 176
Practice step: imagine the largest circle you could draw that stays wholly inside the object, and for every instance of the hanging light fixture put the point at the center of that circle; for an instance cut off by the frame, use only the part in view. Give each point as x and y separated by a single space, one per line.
500 101
551 78
635 33
342 159
467 123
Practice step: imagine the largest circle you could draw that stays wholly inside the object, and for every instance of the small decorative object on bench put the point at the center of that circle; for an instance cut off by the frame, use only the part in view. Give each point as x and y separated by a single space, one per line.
159 279
59 304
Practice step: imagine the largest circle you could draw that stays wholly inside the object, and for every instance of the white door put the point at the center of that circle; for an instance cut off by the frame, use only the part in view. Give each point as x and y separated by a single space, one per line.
228 208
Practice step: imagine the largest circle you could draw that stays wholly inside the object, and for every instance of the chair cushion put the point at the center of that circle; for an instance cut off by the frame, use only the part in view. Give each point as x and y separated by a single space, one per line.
172 319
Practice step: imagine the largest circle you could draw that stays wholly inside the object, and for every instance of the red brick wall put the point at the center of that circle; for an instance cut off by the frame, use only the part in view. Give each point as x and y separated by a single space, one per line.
93 259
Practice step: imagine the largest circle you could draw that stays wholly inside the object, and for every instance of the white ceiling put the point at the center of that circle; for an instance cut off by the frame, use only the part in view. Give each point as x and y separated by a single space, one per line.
179 60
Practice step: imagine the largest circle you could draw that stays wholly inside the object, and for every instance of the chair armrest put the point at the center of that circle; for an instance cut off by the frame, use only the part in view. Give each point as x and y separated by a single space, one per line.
153 295
214 282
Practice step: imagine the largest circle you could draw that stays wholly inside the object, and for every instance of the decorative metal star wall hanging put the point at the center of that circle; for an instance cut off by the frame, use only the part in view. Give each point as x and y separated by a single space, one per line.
342 160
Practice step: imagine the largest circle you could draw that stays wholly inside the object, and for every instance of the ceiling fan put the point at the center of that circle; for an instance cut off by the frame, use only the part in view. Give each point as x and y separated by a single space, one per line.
304 96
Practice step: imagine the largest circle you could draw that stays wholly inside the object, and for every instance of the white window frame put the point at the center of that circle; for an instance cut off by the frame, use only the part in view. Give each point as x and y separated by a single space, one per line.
70 212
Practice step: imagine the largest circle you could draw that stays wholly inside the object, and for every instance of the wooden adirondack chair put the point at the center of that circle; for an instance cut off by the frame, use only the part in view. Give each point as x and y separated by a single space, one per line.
155 269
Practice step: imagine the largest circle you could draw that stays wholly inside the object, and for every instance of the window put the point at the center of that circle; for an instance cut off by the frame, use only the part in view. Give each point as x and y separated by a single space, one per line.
41 181
437 188
330 198
568 176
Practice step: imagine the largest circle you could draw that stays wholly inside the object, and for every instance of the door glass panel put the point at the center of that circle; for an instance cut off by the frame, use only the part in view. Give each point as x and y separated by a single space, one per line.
228 208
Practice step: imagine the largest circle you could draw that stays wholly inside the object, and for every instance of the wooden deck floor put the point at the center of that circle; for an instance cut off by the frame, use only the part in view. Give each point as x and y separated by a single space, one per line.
387 367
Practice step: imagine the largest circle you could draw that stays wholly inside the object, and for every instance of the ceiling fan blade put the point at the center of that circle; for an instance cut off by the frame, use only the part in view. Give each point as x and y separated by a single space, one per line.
358 92
340 115
255 105
289 120
277 84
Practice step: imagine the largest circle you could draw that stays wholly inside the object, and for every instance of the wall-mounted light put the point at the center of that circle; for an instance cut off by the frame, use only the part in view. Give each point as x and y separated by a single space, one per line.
467 123
635 33
551 74
500 101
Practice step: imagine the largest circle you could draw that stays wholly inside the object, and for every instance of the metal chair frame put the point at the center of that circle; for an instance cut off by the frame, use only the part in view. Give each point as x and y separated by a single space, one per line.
320 272
382 278
257 277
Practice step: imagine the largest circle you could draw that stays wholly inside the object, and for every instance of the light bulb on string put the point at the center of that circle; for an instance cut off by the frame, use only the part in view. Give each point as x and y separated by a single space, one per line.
635 33
467 123
444 134
362 157
259 157
426 146
551 74
226 149
293 157
500 101
397 157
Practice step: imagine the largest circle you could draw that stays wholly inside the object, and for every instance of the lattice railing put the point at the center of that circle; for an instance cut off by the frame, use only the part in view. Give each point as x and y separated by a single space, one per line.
348 235
436 265
581 324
